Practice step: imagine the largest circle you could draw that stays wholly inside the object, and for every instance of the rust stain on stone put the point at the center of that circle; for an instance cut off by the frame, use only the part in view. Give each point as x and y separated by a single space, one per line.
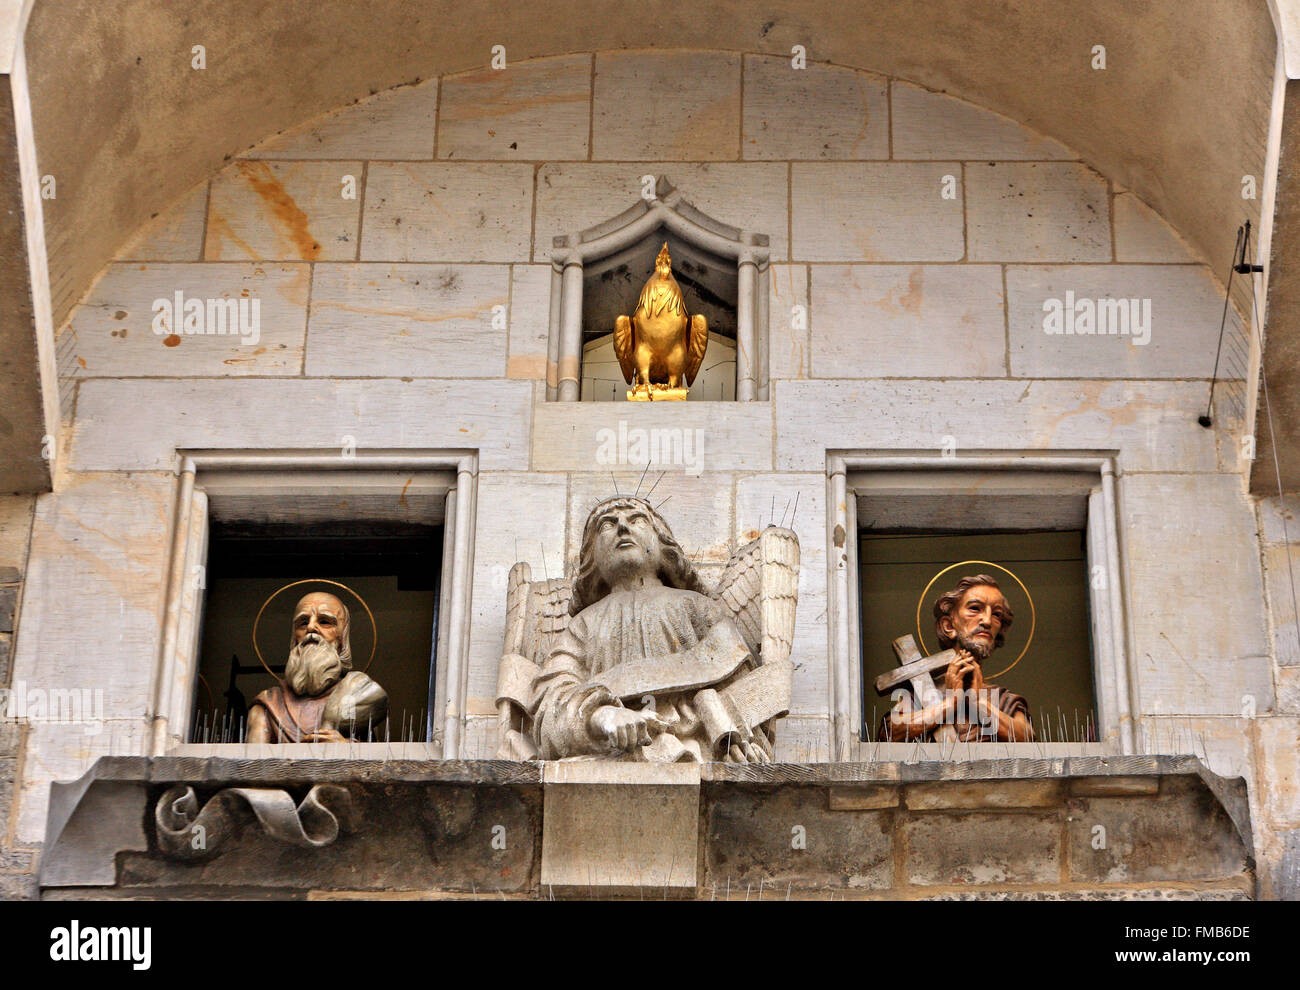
407 313
287 213
839 536
526 366
171 340
219 231
911 300
1123 412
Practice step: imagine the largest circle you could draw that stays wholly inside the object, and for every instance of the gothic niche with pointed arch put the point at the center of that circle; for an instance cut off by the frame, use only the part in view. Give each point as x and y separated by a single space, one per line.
597 275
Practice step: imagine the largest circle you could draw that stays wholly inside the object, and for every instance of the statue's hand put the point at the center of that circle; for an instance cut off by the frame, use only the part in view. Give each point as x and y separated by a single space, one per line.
747 752
952 677
963 668
324 735
623 728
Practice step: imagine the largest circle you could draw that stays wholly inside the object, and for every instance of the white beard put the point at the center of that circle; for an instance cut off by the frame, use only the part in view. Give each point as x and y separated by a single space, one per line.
313 668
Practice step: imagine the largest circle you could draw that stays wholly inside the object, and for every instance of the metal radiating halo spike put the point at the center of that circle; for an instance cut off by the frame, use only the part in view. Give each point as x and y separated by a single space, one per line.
655 485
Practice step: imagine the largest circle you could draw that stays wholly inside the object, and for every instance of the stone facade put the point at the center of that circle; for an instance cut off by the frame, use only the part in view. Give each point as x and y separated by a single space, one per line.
920 234
17 859
1131 828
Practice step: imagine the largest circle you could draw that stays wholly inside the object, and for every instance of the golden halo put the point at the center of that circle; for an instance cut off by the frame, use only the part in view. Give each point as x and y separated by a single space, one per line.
212 699
374 630
1033 612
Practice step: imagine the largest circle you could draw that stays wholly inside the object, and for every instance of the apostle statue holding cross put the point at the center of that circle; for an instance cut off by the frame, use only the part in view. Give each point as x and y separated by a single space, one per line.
949 700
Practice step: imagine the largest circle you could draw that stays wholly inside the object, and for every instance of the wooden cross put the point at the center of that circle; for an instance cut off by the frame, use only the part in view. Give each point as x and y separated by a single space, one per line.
915 670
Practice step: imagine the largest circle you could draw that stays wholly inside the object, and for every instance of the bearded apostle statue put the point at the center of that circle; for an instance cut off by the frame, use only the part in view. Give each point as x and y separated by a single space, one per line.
321 698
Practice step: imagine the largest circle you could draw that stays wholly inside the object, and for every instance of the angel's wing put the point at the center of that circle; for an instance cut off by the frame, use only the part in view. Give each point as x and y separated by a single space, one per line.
517 590
697 345
547 617
537 612
760 586
625 346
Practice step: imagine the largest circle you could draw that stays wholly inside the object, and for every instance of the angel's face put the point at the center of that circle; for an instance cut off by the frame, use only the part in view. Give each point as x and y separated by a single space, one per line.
626 544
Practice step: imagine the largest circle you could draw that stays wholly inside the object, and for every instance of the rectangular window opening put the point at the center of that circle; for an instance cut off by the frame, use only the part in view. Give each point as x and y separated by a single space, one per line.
1055 675
393 565
915 520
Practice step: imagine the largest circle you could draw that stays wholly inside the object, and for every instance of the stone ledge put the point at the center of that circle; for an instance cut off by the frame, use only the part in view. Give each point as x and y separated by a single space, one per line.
234 772
769 894
1008 768
480 828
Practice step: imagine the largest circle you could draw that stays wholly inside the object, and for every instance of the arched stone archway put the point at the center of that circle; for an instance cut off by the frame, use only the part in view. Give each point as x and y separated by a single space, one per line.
152 124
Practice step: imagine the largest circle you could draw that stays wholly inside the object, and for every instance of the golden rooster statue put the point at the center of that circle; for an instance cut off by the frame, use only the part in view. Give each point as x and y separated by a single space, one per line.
660 345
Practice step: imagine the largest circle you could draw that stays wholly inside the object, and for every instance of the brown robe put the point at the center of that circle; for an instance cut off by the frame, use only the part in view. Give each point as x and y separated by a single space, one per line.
291 717
1009 703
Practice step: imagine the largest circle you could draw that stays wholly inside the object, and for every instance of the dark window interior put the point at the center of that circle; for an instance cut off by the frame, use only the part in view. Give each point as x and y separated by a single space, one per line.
394 566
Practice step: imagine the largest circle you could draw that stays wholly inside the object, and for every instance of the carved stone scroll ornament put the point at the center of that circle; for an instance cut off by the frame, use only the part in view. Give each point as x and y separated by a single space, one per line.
186 831
635 658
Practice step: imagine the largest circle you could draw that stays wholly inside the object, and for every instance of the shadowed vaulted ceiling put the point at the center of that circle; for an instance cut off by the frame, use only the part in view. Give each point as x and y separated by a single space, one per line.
1178 115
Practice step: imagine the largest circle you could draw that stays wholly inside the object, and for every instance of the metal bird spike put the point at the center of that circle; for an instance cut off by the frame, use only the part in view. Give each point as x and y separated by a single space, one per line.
641 480
655 485
615 480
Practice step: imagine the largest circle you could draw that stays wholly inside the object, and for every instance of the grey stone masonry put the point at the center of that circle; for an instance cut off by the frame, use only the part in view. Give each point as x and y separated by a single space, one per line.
1071 827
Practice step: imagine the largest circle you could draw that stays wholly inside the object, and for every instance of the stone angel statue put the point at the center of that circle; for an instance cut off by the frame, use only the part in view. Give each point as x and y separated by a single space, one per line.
635 658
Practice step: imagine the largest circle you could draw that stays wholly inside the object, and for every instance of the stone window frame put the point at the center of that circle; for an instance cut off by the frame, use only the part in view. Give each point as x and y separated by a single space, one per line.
1095 476
669 209
451 474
